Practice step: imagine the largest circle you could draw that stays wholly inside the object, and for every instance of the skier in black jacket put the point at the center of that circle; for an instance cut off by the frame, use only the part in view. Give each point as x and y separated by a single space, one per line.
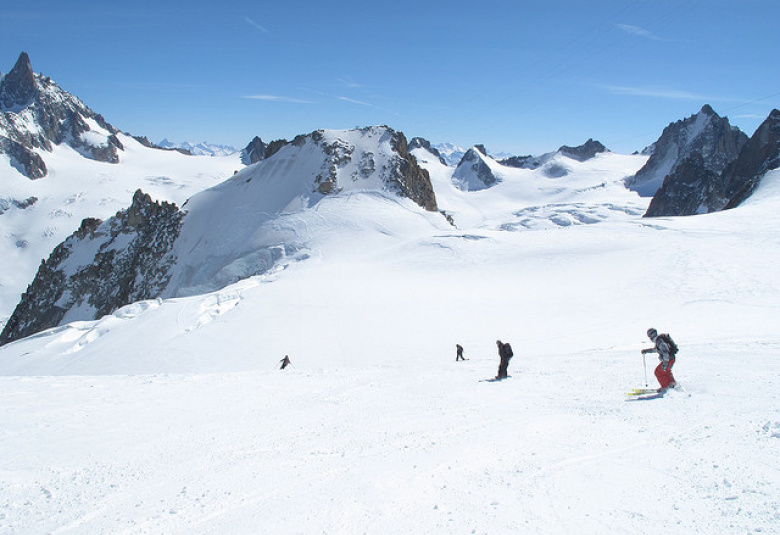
505 353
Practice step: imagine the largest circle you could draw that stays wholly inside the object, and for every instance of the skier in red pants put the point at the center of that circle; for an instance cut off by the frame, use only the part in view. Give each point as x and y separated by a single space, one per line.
667 351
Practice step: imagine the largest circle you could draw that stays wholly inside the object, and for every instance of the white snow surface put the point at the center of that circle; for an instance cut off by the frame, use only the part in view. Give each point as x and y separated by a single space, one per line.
171 415
76 188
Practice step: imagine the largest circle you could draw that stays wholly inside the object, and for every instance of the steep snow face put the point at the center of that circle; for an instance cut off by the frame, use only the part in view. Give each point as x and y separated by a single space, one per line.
270 211
262 218
704 133
36 215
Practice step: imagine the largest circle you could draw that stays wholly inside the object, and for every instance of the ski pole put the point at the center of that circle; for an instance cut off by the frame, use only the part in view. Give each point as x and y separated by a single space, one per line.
644 365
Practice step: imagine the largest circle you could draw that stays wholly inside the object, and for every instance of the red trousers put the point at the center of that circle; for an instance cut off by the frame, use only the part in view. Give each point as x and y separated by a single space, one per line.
665 376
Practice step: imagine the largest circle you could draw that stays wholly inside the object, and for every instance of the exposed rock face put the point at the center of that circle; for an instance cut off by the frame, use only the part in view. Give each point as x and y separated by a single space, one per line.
101 267
688 190
18 88
473 172
412 180
760 154
696 185
254 151
705 133
584 152
521 162
36 114
422 143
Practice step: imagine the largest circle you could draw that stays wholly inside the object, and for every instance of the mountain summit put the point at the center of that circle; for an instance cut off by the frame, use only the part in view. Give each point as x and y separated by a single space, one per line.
36 114
705 134
18 86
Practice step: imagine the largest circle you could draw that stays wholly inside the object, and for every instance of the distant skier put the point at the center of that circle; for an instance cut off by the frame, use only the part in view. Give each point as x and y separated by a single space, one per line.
459 353
505 353
667 352
285 362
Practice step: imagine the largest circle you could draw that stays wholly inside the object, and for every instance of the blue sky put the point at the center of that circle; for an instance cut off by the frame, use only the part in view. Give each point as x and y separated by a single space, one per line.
519 77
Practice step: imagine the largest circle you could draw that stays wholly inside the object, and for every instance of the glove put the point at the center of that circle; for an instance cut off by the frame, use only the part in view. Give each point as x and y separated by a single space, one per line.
646 351
664 366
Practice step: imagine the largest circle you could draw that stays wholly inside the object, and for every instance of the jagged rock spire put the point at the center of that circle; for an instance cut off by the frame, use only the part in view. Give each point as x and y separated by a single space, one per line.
18 87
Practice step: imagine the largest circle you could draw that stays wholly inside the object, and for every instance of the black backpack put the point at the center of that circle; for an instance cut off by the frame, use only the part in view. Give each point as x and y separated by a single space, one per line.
672 346
508 350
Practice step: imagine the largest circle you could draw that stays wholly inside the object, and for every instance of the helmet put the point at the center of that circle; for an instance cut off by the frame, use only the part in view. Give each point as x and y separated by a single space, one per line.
652 333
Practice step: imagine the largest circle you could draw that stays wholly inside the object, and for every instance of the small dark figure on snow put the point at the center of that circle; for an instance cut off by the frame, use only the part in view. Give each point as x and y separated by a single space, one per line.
505 353
285 362
667 351
459 353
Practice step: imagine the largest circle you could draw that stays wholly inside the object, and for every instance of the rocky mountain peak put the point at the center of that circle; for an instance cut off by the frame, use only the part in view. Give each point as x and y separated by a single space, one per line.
37 114
473 172
700 182
254 151
760 154
422 143
584 152
18 87
705 133
707 110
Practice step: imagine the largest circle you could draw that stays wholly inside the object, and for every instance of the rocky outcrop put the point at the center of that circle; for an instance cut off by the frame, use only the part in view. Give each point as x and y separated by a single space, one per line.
422 143
521 162
690 189
584 152
100 268
554 169
36 114
705 133
18 88
696 185
413 181
473 172
760 154
254 151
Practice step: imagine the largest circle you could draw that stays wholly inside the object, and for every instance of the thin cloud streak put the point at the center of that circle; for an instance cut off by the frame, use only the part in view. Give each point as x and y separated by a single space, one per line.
669 94
256 25
353 101
639 32
278 98
348 82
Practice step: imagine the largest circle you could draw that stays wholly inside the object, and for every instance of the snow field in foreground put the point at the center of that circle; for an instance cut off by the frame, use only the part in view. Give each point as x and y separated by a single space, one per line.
171 416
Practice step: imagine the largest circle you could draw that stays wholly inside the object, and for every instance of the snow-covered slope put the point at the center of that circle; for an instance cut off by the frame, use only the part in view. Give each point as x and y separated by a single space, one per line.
172 416
580 192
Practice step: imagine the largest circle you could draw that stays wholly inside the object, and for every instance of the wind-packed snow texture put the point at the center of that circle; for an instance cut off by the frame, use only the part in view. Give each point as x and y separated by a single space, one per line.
171 415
